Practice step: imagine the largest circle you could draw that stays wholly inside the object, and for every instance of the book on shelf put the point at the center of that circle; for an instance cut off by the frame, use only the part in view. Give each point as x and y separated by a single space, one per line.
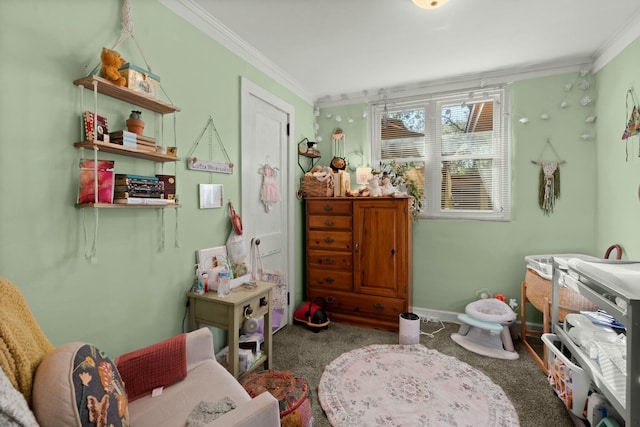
89 170
169 185
124 138
140 201
129 179
101 127
138 194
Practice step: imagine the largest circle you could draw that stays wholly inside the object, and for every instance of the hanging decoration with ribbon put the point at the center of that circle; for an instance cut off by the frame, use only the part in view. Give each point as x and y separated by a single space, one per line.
633 125
549 186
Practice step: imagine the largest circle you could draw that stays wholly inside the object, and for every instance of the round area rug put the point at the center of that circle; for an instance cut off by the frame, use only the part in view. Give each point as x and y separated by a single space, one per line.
410 386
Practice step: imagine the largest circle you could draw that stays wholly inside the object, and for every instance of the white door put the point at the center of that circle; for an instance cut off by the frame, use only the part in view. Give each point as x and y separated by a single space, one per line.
265 142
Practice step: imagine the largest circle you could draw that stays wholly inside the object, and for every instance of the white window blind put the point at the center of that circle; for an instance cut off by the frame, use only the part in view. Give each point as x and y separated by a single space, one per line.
456 148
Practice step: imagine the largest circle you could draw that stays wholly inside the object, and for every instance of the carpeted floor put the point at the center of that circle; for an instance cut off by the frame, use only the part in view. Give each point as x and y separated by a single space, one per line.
307 353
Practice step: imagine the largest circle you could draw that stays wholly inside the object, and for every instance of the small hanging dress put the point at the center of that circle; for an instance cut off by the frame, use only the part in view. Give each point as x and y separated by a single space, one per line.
270 192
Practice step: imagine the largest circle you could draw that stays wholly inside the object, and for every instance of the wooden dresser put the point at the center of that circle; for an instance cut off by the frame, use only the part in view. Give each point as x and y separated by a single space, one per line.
358 253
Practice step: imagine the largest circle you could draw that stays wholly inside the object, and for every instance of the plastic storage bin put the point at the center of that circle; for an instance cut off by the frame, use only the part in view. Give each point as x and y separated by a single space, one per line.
569 380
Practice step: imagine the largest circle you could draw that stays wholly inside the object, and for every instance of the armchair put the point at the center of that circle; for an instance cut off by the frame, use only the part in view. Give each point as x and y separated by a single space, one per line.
56 383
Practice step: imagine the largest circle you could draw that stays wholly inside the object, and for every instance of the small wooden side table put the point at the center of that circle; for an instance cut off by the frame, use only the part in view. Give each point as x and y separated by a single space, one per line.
228 313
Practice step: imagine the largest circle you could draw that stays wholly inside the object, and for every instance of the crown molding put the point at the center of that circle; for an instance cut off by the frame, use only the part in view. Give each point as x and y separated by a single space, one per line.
617 43
464 82
208 24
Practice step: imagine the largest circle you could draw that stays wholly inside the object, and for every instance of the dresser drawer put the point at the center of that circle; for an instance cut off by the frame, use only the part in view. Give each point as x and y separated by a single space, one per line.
361 305
328 207
334 240
329 259
329 222
330 280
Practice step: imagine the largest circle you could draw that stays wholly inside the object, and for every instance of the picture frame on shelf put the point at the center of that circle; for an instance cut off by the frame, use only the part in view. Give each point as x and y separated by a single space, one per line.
102 128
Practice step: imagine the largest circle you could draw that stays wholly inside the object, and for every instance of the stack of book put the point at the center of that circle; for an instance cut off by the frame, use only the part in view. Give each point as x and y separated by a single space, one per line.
146 143
138 190
124 138
133 140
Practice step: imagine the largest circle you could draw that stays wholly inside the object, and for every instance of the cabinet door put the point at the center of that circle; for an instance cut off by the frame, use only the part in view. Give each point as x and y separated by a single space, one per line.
381 247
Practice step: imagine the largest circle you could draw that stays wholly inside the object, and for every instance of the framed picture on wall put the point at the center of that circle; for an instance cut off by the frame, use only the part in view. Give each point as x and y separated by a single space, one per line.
211 196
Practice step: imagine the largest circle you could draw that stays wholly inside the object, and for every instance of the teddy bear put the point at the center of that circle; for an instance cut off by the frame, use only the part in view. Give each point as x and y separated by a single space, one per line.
111 61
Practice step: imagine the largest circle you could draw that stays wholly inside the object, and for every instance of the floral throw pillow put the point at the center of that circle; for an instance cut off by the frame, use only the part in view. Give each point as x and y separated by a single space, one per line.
78 385
100 395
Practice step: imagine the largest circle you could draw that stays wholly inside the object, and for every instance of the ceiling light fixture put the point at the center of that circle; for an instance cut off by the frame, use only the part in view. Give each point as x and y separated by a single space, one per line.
429 4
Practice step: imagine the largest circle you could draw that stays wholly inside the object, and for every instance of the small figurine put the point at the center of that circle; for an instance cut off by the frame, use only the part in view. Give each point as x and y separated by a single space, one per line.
387 188
374 187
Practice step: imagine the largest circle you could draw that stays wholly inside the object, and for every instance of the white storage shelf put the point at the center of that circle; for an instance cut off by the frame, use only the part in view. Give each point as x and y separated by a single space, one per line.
603 292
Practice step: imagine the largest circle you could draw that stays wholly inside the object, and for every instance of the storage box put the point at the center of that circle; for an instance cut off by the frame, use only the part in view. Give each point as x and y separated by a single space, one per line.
88 170
568 380
140 79
312 187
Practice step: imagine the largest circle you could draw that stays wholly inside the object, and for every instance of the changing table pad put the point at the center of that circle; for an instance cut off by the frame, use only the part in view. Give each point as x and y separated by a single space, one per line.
622 277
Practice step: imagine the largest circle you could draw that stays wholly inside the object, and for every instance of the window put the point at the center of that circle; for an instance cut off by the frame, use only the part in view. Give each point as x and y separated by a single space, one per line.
456 149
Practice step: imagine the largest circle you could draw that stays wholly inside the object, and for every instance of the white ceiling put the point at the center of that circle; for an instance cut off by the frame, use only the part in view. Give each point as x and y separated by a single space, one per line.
335 49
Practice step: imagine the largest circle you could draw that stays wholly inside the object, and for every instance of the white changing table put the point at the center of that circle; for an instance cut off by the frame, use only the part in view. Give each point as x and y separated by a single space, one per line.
614 286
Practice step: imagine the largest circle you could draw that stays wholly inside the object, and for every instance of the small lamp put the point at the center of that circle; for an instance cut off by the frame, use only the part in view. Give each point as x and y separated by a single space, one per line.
363 174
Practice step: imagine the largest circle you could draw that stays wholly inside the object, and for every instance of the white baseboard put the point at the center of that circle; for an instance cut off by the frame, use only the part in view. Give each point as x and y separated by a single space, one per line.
445 316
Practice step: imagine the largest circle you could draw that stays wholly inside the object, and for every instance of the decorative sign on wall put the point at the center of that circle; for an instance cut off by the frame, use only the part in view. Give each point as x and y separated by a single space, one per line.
196 164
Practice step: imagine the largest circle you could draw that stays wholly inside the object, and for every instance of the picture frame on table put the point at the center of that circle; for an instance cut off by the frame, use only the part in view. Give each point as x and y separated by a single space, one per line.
210 258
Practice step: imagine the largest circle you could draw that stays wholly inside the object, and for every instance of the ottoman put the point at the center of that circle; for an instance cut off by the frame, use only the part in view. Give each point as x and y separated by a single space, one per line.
291 392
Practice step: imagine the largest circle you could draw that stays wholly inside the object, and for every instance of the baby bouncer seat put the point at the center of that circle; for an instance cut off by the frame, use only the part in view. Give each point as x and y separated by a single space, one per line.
484 329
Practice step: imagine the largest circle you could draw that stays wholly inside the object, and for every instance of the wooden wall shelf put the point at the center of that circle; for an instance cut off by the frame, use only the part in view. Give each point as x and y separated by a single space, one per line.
108 147
122 205
126 94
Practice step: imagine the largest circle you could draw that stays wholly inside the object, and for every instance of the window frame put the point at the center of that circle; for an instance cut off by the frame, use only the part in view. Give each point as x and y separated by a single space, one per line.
433 159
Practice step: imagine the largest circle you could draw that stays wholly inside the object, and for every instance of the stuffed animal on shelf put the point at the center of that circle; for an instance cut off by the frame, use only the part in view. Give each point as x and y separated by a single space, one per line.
111 61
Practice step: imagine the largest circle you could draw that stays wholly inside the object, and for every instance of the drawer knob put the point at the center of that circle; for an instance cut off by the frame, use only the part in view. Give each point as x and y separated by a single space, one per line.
263 301
378 306
328 223
328 208
393 251
329 279
328 260
328 239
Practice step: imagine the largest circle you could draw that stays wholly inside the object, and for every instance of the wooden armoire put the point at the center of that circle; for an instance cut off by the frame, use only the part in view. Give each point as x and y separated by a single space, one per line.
358 258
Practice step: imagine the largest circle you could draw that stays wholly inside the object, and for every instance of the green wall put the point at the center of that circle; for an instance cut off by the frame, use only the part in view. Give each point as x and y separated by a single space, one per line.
135 294
618 218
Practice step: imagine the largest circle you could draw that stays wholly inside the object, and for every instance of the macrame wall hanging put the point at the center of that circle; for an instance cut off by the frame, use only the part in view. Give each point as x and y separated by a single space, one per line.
549 185
633 125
